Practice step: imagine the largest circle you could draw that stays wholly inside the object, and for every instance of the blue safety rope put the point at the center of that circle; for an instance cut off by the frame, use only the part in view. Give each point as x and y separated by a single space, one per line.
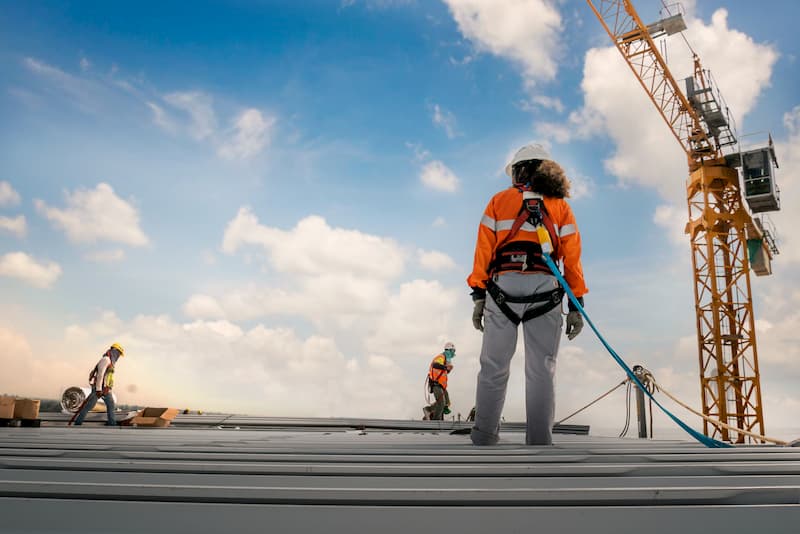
705 440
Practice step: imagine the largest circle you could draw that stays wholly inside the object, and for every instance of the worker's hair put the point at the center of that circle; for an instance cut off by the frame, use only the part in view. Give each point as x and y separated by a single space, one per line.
550 180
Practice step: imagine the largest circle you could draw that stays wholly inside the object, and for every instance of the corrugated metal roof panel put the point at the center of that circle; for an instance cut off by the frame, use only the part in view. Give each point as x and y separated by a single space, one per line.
333 479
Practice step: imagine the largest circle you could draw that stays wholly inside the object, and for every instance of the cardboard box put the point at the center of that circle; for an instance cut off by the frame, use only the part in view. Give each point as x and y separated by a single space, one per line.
155 417
26 409
6 407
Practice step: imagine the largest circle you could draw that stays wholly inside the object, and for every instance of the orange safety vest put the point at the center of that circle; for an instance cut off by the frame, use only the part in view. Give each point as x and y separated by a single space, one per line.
496 225
438 375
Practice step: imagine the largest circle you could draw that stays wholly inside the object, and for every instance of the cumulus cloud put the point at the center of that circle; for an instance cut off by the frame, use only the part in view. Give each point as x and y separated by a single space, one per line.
97 214
433 260
14 225
8 196
199 107
436 175
251 134
314 248
445 120
262 364
645 152
788 180
548 102
527 33
25 268
203 307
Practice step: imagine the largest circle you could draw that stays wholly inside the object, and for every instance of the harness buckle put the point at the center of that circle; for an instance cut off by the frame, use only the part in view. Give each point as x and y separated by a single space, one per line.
556 296
535 217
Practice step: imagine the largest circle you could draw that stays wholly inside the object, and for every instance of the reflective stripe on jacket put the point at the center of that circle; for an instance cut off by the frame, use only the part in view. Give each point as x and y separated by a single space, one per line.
497 221
438 375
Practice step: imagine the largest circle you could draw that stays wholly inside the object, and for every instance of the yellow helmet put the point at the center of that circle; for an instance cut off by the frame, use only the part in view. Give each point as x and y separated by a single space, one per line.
119 348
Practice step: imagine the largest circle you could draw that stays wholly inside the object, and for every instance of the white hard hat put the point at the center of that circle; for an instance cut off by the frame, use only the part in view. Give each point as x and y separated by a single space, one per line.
528 152
449 346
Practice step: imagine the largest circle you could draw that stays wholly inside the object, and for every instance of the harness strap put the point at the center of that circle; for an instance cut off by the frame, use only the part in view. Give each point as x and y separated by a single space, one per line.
438 376
533 211
552 299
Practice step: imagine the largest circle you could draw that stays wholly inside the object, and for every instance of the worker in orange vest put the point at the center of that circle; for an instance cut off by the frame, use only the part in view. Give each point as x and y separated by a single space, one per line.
101 379
440 367
519 225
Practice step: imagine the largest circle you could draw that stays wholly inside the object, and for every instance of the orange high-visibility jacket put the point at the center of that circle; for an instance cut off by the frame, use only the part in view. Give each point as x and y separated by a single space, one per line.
496 223
438 375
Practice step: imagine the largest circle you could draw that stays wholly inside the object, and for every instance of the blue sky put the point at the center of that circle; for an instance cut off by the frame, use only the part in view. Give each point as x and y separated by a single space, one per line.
252 195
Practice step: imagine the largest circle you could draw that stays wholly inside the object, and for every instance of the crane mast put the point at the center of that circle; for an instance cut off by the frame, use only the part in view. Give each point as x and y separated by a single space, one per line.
719 223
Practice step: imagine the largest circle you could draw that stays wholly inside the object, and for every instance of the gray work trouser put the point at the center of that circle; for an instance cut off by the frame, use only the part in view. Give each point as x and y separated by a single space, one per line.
541 336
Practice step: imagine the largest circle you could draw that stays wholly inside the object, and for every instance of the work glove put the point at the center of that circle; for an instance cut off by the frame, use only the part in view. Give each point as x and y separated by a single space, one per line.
477 314
574 324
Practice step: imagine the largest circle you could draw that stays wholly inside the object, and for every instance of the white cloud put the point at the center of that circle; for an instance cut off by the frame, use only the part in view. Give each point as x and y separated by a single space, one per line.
106 256
85 64
261 364
446 120
416 320
788 180
252 132
8 197
434 260
203 307
436 175
23 267
16 225
439 222
646 153
198 106
313 248
75 87
528 33
161 118
673 220
548 102
96 215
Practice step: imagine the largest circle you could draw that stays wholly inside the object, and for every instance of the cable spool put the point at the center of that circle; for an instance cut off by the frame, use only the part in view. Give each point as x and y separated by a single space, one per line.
72 399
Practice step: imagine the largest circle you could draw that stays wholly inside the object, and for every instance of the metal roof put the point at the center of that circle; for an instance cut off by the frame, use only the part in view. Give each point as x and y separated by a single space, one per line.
295 475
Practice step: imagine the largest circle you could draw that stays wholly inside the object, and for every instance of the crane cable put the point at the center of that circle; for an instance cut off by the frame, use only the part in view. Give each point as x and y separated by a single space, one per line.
607 393
717 423
705 440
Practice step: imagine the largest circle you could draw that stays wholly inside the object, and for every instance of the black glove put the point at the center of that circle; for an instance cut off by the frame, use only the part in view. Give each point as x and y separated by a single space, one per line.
477 314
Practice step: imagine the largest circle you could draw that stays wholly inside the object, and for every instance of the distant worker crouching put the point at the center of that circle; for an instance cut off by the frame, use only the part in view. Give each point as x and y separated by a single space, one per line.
519 225
440 367
102 381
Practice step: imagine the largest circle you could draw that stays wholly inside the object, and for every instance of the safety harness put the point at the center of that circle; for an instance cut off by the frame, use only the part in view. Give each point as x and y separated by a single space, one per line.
514 257
108 378
435 381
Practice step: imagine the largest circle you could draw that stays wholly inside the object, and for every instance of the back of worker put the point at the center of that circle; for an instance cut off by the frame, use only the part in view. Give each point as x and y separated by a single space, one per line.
520 224
441 366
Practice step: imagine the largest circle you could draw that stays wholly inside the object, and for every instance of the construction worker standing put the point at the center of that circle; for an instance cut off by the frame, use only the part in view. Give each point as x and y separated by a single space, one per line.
519 225
102 381
441 366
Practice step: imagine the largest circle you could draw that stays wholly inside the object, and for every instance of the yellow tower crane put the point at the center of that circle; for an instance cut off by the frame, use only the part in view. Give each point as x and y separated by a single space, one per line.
727 241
